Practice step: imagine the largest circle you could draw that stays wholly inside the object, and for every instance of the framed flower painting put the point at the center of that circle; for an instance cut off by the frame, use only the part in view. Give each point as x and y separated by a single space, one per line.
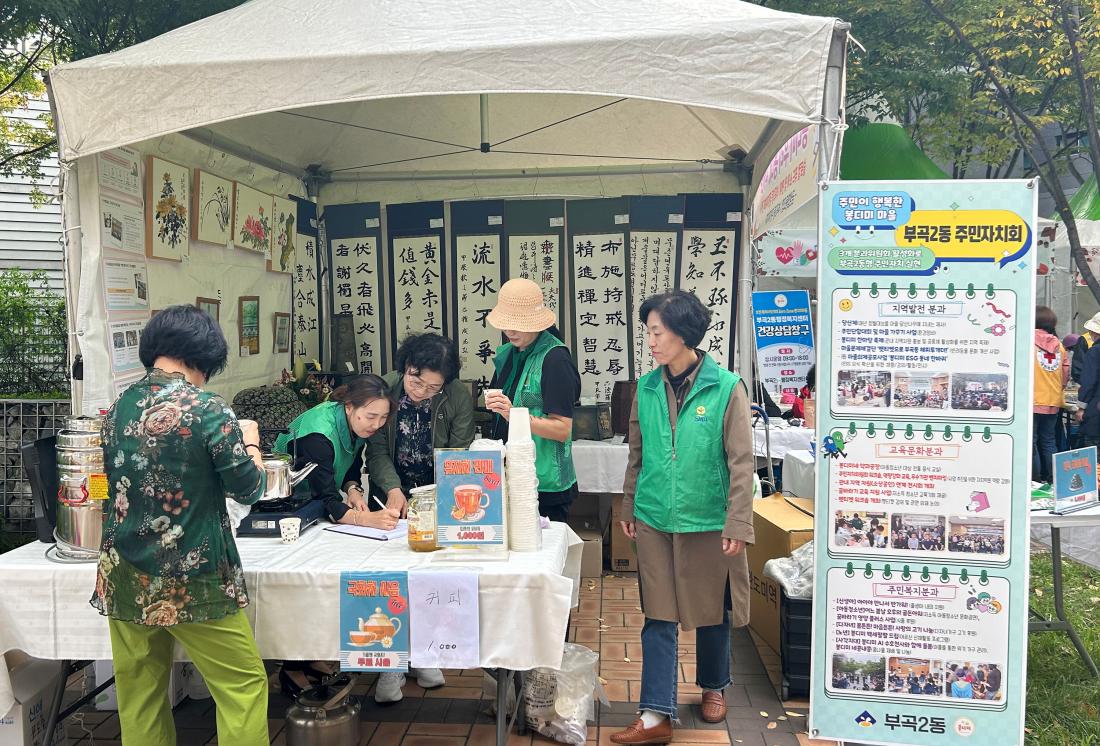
167 207
212 209
251 219
283 214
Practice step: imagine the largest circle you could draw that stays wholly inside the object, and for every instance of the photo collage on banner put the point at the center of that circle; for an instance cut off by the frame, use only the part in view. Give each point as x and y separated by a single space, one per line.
477 232
600 293
354 235
709 254
305 327
654 241
417 263
536 234
927 297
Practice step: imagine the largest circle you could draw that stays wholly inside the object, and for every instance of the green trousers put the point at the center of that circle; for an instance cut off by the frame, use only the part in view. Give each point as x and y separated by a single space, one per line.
223 650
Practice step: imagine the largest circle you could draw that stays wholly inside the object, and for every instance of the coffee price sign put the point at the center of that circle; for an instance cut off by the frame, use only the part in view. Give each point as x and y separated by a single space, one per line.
470 497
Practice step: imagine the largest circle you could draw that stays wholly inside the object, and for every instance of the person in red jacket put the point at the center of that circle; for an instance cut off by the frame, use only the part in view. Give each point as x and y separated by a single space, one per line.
1051 375
798 409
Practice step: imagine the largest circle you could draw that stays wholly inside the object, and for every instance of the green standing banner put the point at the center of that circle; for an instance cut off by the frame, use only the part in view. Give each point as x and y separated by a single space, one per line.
926 296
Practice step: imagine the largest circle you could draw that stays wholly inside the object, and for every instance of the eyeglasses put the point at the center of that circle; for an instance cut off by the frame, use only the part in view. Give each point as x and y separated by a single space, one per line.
416 381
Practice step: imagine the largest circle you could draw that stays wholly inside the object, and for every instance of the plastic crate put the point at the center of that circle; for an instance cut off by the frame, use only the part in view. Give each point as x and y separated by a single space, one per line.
795 636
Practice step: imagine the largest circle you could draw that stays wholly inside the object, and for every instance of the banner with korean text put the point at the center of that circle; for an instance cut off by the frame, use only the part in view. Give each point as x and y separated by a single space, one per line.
926 301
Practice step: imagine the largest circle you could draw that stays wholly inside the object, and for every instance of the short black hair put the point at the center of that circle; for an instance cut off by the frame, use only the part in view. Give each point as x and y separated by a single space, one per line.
681 312
811 374
186 334
429 352
1045 319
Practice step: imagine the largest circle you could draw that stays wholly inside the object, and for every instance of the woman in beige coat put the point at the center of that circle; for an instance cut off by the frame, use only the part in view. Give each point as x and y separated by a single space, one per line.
689 486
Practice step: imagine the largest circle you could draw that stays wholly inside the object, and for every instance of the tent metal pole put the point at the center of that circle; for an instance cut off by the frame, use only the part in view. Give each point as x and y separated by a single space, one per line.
532 173
833 104
484 100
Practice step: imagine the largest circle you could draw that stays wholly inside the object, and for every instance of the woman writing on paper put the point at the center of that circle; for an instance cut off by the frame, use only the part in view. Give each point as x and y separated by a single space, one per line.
333 435
169 570
535 370
688 505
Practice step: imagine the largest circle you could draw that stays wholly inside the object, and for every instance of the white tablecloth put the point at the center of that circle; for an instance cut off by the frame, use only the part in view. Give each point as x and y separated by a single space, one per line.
524 602
798 474
782 439
600 465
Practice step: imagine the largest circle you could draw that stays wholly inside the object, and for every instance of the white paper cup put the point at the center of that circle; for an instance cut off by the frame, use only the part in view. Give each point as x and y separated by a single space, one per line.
290 528
490 393
519 424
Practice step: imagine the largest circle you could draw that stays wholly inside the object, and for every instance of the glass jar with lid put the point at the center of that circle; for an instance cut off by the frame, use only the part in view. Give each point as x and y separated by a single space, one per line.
422 519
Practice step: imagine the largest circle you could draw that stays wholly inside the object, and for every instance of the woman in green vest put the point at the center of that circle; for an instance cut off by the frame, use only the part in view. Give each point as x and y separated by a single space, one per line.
333 435
535 370
688 505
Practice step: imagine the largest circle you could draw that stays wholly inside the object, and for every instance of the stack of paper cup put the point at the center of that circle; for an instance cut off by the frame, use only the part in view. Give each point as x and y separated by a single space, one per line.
524 531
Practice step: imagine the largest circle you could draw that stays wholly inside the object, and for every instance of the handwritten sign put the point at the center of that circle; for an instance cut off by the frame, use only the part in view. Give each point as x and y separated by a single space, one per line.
651 273
707 269
374 621
418 285
538 258
444 619
306 344
355 291
601 323
478 261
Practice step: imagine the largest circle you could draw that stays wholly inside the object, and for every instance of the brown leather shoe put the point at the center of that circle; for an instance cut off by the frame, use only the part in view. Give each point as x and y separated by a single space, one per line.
636 733
714 706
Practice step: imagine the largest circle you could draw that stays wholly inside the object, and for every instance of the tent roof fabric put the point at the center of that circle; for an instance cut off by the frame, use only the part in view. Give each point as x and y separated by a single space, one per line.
1085 203
271 56
884 151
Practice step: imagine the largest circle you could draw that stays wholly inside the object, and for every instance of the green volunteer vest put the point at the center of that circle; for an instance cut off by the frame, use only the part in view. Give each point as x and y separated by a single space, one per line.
327 419
684 483
553 460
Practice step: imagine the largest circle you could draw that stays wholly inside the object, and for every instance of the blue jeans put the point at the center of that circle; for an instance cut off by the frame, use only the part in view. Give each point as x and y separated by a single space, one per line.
660 663
1045 426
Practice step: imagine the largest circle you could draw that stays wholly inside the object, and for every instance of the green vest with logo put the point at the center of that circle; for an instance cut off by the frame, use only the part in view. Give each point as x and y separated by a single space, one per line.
684 482
327 419
553 460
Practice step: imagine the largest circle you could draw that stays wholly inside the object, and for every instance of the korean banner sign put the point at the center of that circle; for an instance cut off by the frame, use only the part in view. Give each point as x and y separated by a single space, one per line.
784 339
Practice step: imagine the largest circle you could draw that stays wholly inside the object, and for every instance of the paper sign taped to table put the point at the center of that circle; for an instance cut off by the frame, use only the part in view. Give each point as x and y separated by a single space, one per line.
374 621
444 619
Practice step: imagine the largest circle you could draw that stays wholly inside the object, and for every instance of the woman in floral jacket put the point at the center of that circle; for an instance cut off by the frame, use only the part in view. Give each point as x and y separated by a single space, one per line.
169 568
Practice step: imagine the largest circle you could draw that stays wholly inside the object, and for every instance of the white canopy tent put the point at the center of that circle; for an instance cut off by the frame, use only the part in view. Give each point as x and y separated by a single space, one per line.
485 97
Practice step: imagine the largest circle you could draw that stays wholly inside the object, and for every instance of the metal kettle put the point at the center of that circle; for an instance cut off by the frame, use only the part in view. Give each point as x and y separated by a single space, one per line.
281 479
323 716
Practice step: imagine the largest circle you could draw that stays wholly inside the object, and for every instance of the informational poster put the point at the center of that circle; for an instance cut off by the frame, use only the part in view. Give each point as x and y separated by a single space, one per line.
125 285
707 268
477 271
445 631
374 621
788 183
119 170
125 336
601 312
921 537
418 285
787 253
1075 480
538 258
122 226
783 328
355 289
470 497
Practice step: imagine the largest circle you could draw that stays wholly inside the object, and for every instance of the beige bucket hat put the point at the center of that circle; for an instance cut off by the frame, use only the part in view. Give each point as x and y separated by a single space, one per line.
520 308
1093 324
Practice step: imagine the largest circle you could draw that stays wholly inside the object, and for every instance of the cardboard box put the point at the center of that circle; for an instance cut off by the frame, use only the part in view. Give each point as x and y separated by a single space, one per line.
592 553
781 524
108 698
591 511
33 684
624 557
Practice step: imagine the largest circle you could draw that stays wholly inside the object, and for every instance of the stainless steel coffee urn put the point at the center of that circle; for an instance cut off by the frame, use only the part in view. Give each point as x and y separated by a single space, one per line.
80 474
324 716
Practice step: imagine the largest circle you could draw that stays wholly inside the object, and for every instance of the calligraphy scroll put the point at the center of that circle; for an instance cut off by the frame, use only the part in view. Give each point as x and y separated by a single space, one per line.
536 234
476 232
708 264
354 238
654 239
416 269
305 286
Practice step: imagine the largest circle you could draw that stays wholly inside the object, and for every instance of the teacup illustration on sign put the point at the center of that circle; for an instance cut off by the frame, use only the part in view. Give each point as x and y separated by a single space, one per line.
470 503
376 629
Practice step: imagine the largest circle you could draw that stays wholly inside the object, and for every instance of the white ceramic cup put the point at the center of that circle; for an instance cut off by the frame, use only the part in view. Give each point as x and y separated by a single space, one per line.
290 528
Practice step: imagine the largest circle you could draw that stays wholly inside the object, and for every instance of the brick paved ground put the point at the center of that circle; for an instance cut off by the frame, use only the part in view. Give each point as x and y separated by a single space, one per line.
609 621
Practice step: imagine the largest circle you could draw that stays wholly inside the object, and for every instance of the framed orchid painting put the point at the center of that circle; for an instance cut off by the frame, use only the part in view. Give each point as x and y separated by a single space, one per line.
283 214
167 207
212 209
251 219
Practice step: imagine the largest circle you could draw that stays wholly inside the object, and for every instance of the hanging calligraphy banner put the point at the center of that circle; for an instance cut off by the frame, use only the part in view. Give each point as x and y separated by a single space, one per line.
354 237
654 240
536 234
600 293
305 285
708 264
476 232
416 269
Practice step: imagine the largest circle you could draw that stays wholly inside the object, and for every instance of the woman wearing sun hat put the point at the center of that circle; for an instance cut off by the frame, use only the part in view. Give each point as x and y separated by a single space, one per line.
535 370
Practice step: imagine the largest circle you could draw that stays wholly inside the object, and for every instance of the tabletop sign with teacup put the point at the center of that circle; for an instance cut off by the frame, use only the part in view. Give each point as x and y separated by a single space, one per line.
470 497
374 621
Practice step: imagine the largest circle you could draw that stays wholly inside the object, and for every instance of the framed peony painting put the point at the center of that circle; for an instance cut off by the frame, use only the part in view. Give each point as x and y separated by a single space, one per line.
167 207
251 219
212 209
283 215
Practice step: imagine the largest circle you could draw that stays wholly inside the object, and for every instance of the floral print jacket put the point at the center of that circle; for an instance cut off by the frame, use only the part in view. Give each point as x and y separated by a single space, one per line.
173 454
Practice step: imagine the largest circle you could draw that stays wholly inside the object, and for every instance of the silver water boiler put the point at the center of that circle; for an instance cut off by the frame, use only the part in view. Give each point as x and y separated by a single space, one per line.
324 716
81 488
